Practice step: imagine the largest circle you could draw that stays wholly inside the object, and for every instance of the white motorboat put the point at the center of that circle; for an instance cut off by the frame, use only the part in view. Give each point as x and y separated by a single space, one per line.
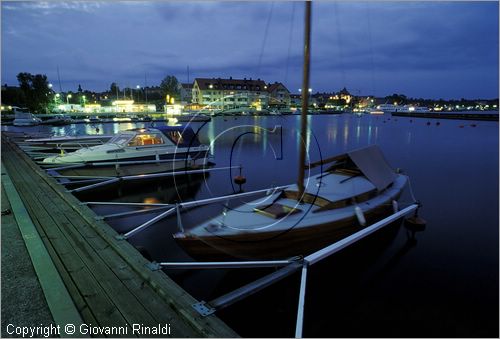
412 109
24 118
137 151
387 108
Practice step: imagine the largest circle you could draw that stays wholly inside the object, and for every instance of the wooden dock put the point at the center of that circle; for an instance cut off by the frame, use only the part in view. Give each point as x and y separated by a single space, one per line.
107 279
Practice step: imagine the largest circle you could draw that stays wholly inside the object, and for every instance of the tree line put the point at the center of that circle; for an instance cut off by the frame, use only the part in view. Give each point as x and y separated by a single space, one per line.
35 93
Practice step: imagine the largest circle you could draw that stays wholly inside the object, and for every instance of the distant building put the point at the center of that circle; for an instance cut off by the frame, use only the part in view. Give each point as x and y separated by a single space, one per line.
230 93
186 93
295 100
279 95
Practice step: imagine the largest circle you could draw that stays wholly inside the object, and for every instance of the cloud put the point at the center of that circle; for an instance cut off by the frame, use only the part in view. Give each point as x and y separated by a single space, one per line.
371 46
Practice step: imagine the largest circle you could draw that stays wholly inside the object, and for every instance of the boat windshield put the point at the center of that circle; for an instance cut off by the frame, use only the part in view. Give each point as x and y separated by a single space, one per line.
146 139
120 139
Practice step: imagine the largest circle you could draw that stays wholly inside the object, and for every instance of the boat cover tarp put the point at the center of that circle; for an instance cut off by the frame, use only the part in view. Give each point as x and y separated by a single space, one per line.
375 168
189 138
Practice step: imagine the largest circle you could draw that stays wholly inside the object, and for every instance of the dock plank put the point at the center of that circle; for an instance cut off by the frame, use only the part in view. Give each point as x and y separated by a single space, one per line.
122 290
119 268
105 313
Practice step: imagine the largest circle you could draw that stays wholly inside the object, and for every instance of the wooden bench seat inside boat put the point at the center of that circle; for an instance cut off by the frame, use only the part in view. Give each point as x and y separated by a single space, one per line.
276 210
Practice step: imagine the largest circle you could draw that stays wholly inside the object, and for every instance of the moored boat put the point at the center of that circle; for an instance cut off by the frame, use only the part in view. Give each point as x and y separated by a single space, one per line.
359 187
58 120
24 118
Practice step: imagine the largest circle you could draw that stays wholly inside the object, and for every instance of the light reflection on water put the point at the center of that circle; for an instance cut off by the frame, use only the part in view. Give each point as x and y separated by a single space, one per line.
449 269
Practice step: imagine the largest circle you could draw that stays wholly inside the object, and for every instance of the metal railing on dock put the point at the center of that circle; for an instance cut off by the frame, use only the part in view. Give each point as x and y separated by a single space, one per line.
107 279
289 267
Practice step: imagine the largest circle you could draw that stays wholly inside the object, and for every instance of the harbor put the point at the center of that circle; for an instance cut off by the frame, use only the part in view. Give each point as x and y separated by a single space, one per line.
397 245
280 193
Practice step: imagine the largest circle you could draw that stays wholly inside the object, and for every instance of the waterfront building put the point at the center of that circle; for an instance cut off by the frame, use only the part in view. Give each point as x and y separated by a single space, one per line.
279 95
117 106
186 91
220 94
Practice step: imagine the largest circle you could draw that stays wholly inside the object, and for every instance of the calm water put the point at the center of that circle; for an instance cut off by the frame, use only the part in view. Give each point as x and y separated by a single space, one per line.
442 281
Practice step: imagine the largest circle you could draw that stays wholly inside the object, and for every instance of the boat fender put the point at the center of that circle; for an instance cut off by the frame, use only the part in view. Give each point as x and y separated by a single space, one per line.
360 216
395 206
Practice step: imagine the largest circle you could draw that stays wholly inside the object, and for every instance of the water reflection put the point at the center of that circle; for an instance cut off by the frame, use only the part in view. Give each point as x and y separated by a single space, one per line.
399 282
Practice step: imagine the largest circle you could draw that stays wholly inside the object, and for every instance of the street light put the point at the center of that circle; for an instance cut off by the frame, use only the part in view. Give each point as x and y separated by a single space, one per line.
67 98
83 98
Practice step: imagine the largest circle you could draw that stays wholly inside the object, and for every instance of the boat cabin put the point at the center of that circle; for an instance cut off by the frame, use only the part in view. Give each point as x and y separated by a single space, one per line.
179 136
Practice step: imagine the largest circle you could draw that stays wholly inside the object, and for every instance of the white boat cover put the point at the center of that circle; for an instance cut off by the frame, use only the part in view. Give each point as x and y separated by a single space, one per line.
372 163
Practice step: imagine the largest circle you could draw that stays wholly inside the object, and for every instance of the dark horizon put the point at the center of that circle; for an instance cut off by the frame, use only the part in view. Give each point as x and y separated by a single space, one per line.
422 50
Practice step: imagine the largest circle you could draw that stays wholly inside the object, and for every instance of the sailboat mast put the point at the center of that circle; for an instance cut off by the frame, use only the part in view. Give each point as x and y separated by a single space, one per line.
305 99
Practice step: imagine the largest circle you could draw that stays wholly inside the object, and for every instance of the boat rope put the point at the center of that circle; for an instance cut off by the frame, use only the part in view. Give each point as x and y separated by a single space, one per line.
340 44
411 190
266 31
370 46
290 36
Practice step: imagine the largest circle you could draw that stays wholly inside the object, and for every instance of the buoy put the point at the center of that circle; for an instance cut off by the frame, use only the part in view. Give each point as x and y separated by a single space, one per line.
438 123
461 126
240 180
360 216
473 125
411 120
428 123
415 224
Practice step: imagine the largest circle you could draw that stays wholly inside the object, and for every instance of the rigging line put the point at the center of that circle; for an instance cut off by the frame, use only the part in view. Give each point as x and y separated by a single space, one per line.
290 36
339 41
265 38
370 46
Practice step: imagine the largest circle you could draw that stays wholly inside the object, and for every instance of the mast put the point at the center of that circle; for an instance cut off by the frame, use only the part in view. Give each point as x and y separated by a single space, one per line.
305 99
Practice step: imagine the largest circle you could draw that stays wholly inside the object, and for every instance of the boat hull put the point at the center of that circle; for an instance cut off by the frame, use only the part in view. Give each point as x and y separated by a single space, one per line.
282 244
119 170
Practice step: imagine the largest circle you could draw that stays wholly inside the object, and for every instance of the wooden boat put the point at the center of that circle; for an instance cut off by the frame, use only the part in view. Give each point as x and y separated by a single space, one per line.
359 187
134 152
285 223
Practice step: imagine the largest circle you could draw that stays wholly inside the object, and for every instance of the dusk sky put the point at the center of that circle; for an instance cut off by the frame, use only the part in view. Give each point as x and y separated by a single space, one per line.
420 49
